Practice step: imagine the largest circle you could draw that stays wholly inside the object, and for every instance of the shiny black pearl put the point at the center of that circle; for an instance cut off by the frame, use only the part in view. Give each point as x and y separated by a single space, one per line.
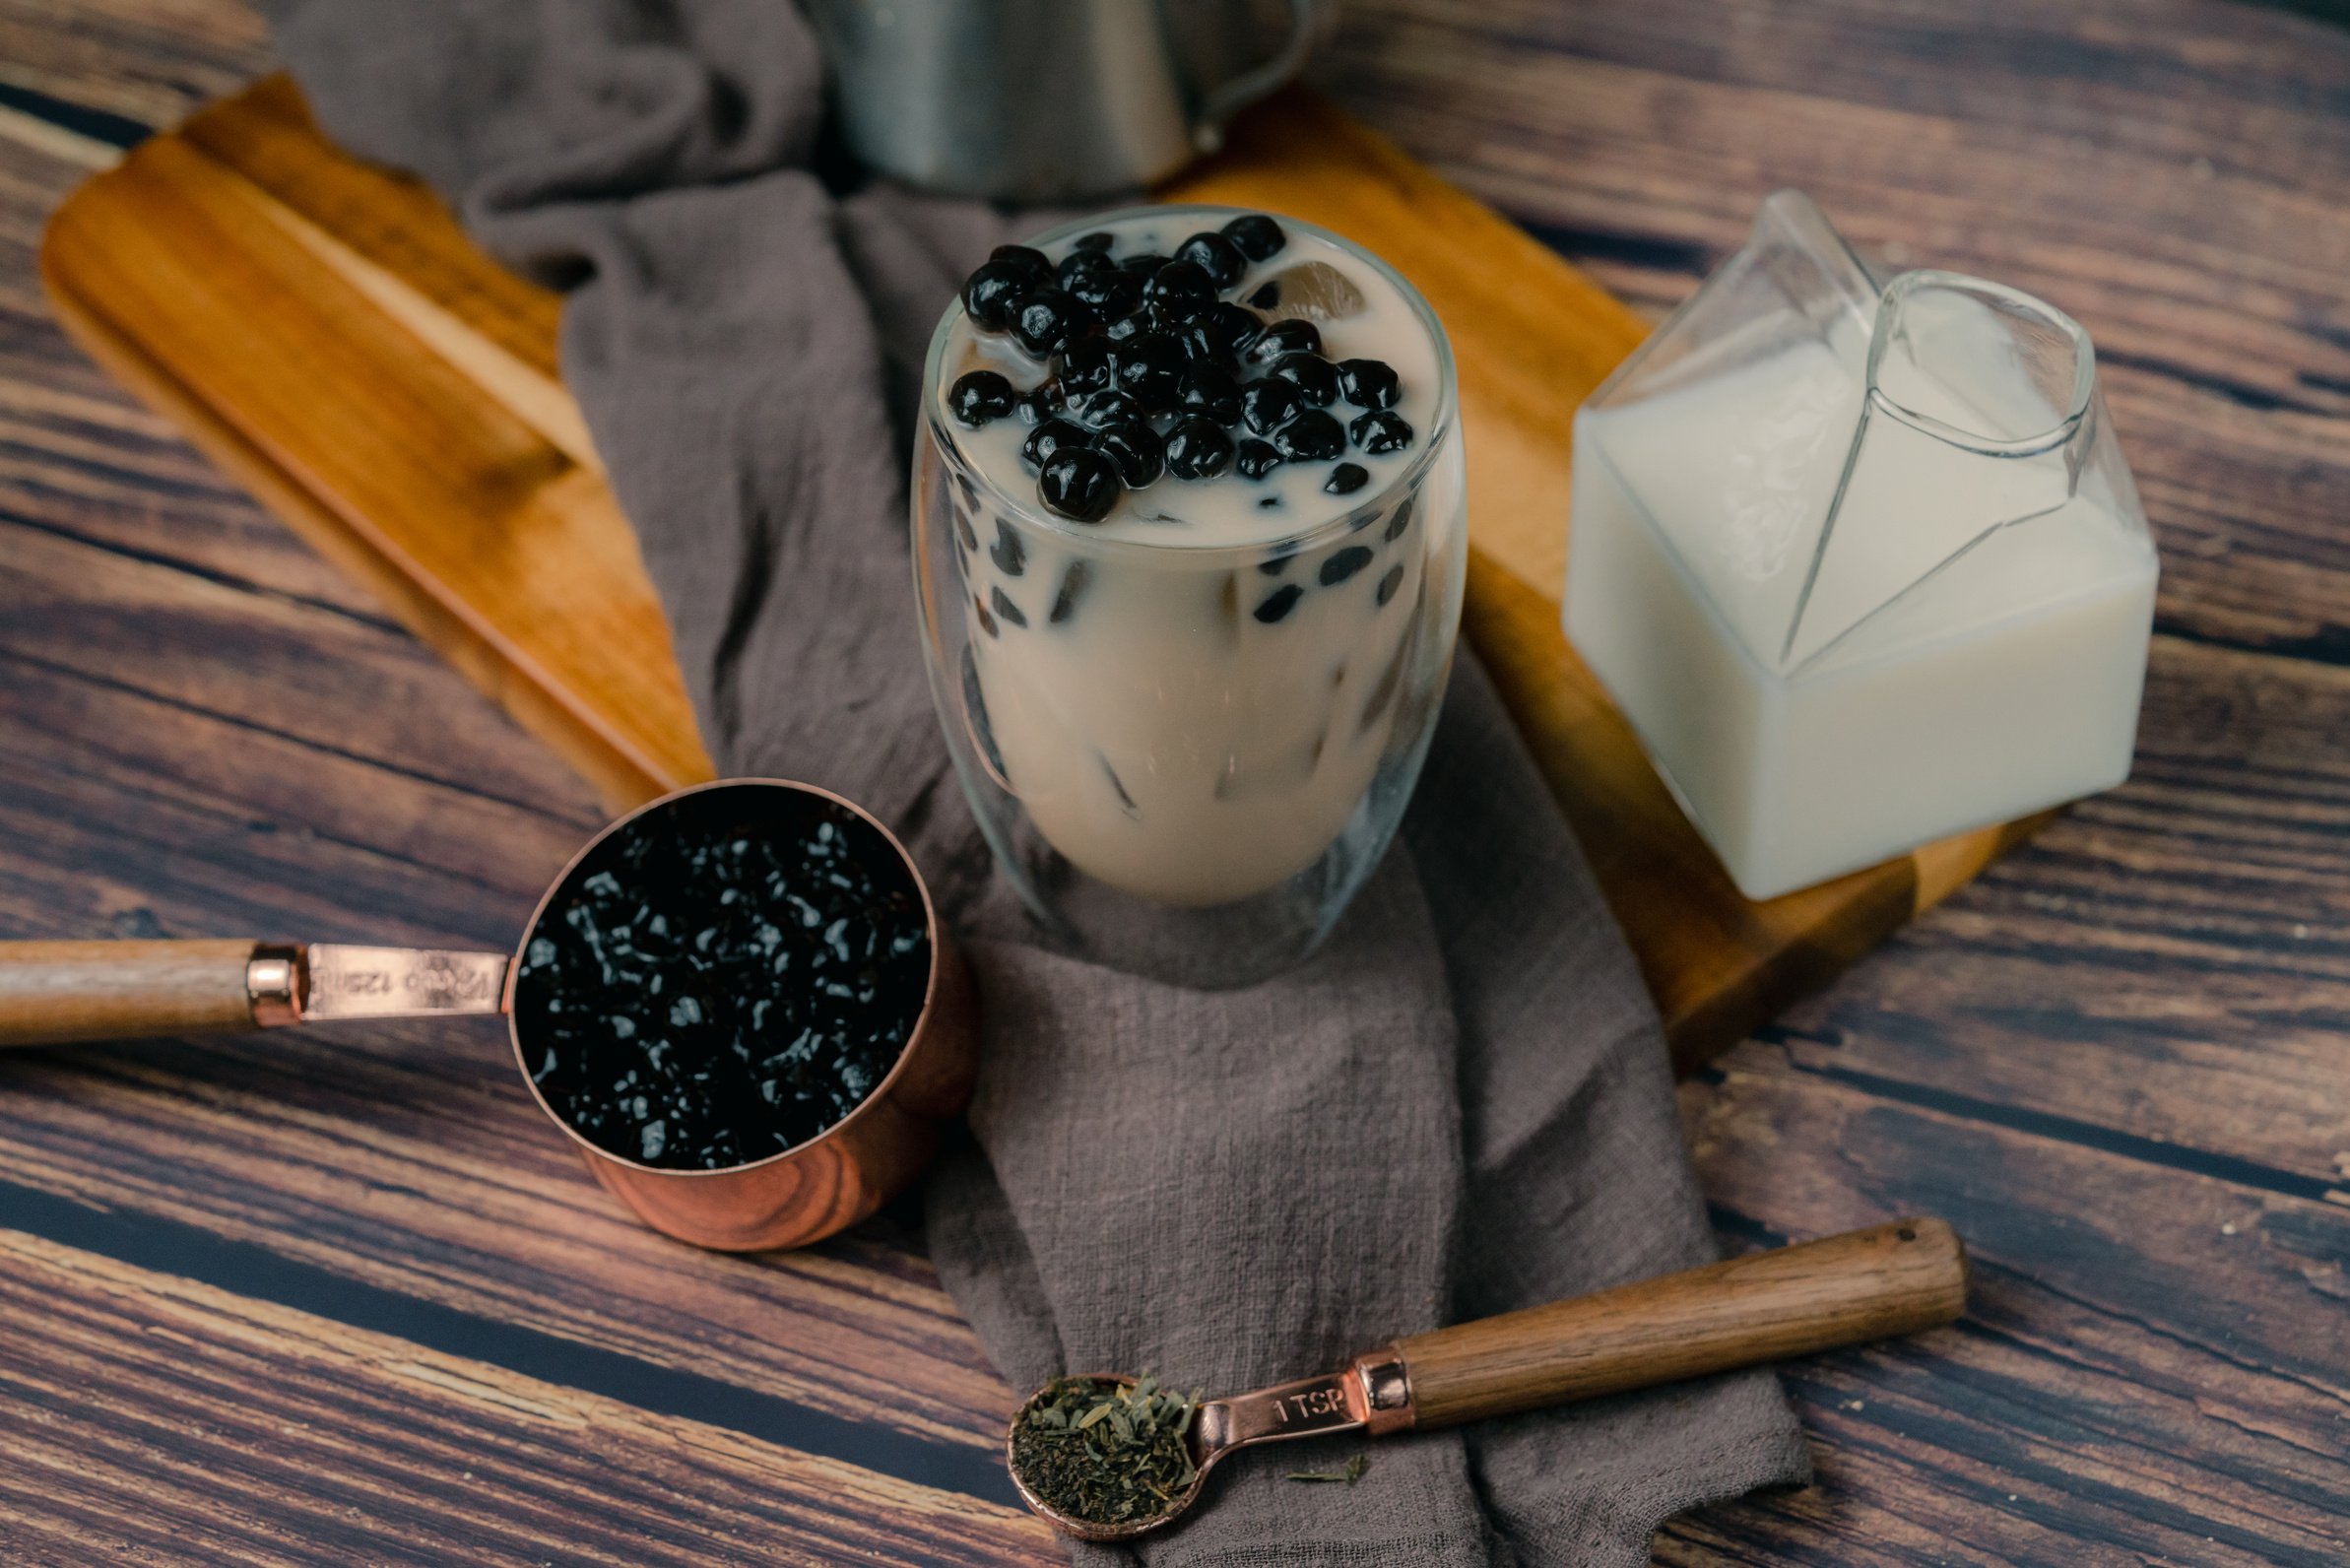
1047 320
1345 563
1143 263
1316 378
1279 603
1256 235
1369 383
1086 366
1285 337
1134 449
1127 327
1043 401
980 397
1099 239
1151 371
1347 478
1026 259
1256 459
1180 289
1108 407
993 293
1205 389
1267 403
1215 255
1108 290
1312 437
1391 583
1218 332
1198 448
1077 263
1050 437
1381 432
1079 485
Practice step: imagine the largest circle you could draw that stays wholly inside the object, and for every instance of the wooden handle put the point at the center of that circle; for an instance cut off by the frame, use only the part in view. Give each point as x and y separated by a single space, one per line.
1894 1278
55 993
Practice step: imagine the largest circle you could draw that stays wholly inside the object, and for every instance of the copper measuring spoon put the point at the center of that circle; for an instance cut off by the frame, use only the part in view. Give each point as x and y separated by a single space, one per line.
56 993
1864 1284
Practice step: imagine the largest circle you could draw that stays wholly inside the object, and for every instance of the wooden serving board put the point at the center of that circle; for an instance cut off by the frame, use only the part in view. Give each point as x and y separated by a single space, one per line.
325 332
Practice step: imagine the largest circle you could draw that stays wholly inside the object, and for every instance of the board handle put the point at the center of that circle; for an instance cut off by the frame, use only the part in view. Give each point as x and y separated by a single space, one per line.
1865 1284
58 993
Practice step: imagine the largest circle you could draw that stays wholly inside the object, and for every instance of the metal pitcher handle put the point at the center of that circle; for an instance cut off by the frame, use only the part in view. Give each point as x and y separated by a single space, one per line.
1310 21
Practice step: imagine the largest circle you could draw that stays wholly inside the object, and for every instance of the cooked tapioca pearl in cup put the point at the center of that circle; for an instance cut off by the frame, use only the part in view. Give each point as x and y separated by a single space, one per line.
1199 666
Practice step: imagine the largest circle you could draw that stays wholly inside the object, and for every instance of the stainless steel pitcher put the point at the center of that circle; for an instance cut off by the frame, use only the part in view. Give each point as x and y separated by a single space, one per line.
1052 100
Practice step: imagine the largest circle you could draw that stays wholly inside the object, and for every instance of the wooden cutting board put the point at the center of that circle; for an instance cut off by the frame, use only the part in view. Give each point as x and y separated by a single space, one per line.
326 333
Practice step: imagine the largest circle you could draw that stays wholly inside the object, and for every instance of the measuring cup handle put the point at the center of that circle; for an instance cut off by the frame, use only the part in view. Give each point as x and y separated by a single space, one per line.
56 993
1865 1284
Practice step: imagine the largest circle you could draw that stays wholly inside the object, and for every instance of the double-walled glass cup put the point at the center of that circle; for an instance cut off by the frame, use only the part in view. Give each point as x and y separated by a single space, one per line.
1187 757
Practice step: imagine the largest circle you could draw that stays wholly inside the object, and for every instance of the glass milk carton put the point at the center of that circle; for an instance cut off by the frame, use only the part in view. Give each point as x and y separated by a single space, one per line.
1863 568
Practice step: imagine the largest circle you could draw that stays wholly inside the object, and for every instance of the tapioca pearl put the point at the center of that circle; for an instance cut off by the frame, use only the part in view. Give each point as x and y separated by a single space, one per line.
1079 485
1006 552
1256 236
1043 401
1311 437
1345 480
1198 448
1080 263
1134 449
1210 390
1099 239
1316 378
993 293
1256 459
1345 563
1098 411
1390 583
1110 291
962 529
1086 367
1074 583
975 711
1369 383
964 486
1275 565
1267 403
1047 321
1381 432
1401 520
1285 337
1149 370
1278 604
1006 608
1180 290
1220 333
1267 296
1026 260
1143 263
1215 255
987 620
1052 436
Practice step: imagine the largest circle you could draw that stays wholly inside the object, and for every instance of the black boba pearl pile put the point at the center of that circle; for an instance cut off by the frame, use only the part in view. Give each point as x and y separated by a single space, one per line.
1152 371
723 979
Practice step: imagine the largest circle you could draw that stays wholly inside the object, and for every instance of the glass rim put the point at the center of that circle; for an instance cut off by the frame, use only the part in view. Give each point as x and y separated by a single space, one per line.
1895 298
1031 511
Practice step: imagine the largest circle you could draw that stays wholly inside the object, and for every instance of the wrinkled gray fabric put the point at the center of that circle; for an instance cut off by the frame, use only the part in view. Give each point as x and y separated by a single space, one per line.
1459 1107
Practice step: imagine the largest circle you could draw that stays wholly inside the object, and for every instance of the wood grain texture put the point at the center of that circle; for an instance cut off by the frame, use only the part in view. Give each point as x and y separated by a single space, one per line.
1904 1276
2115 1060
59 991
427 446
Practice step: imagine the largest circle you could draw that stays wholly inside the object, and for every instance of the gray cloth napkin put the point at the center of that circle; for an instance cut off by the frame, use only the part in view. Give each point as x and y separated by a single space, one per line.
1459 1107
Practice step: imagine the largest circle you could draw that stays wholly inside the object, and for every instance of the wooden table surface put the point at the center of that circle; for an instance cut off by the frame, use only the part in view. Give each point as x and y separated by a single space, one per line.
342 1299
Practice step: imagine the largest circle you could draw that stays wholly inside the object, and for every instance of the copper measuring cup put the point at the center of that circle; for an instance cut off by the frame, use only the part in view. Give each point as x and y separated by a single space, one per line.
54 993
1864 1284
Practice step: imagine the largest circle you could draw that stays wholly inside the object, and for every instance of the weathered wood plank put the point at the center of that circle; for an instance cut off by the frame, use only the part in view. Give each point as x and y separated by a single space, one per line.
2150 1370
153 1416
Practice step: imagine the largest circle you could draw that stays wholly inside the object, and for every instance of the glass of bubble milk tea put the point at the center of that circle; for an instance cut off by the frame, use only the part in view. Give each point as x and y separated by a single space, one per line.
1189 507
1862 567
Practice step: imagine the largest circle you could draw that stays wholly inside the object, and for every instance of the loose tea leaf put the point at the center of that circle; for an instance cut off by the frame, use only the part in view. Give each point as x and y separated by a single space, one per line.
1106 1453
1353 1471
